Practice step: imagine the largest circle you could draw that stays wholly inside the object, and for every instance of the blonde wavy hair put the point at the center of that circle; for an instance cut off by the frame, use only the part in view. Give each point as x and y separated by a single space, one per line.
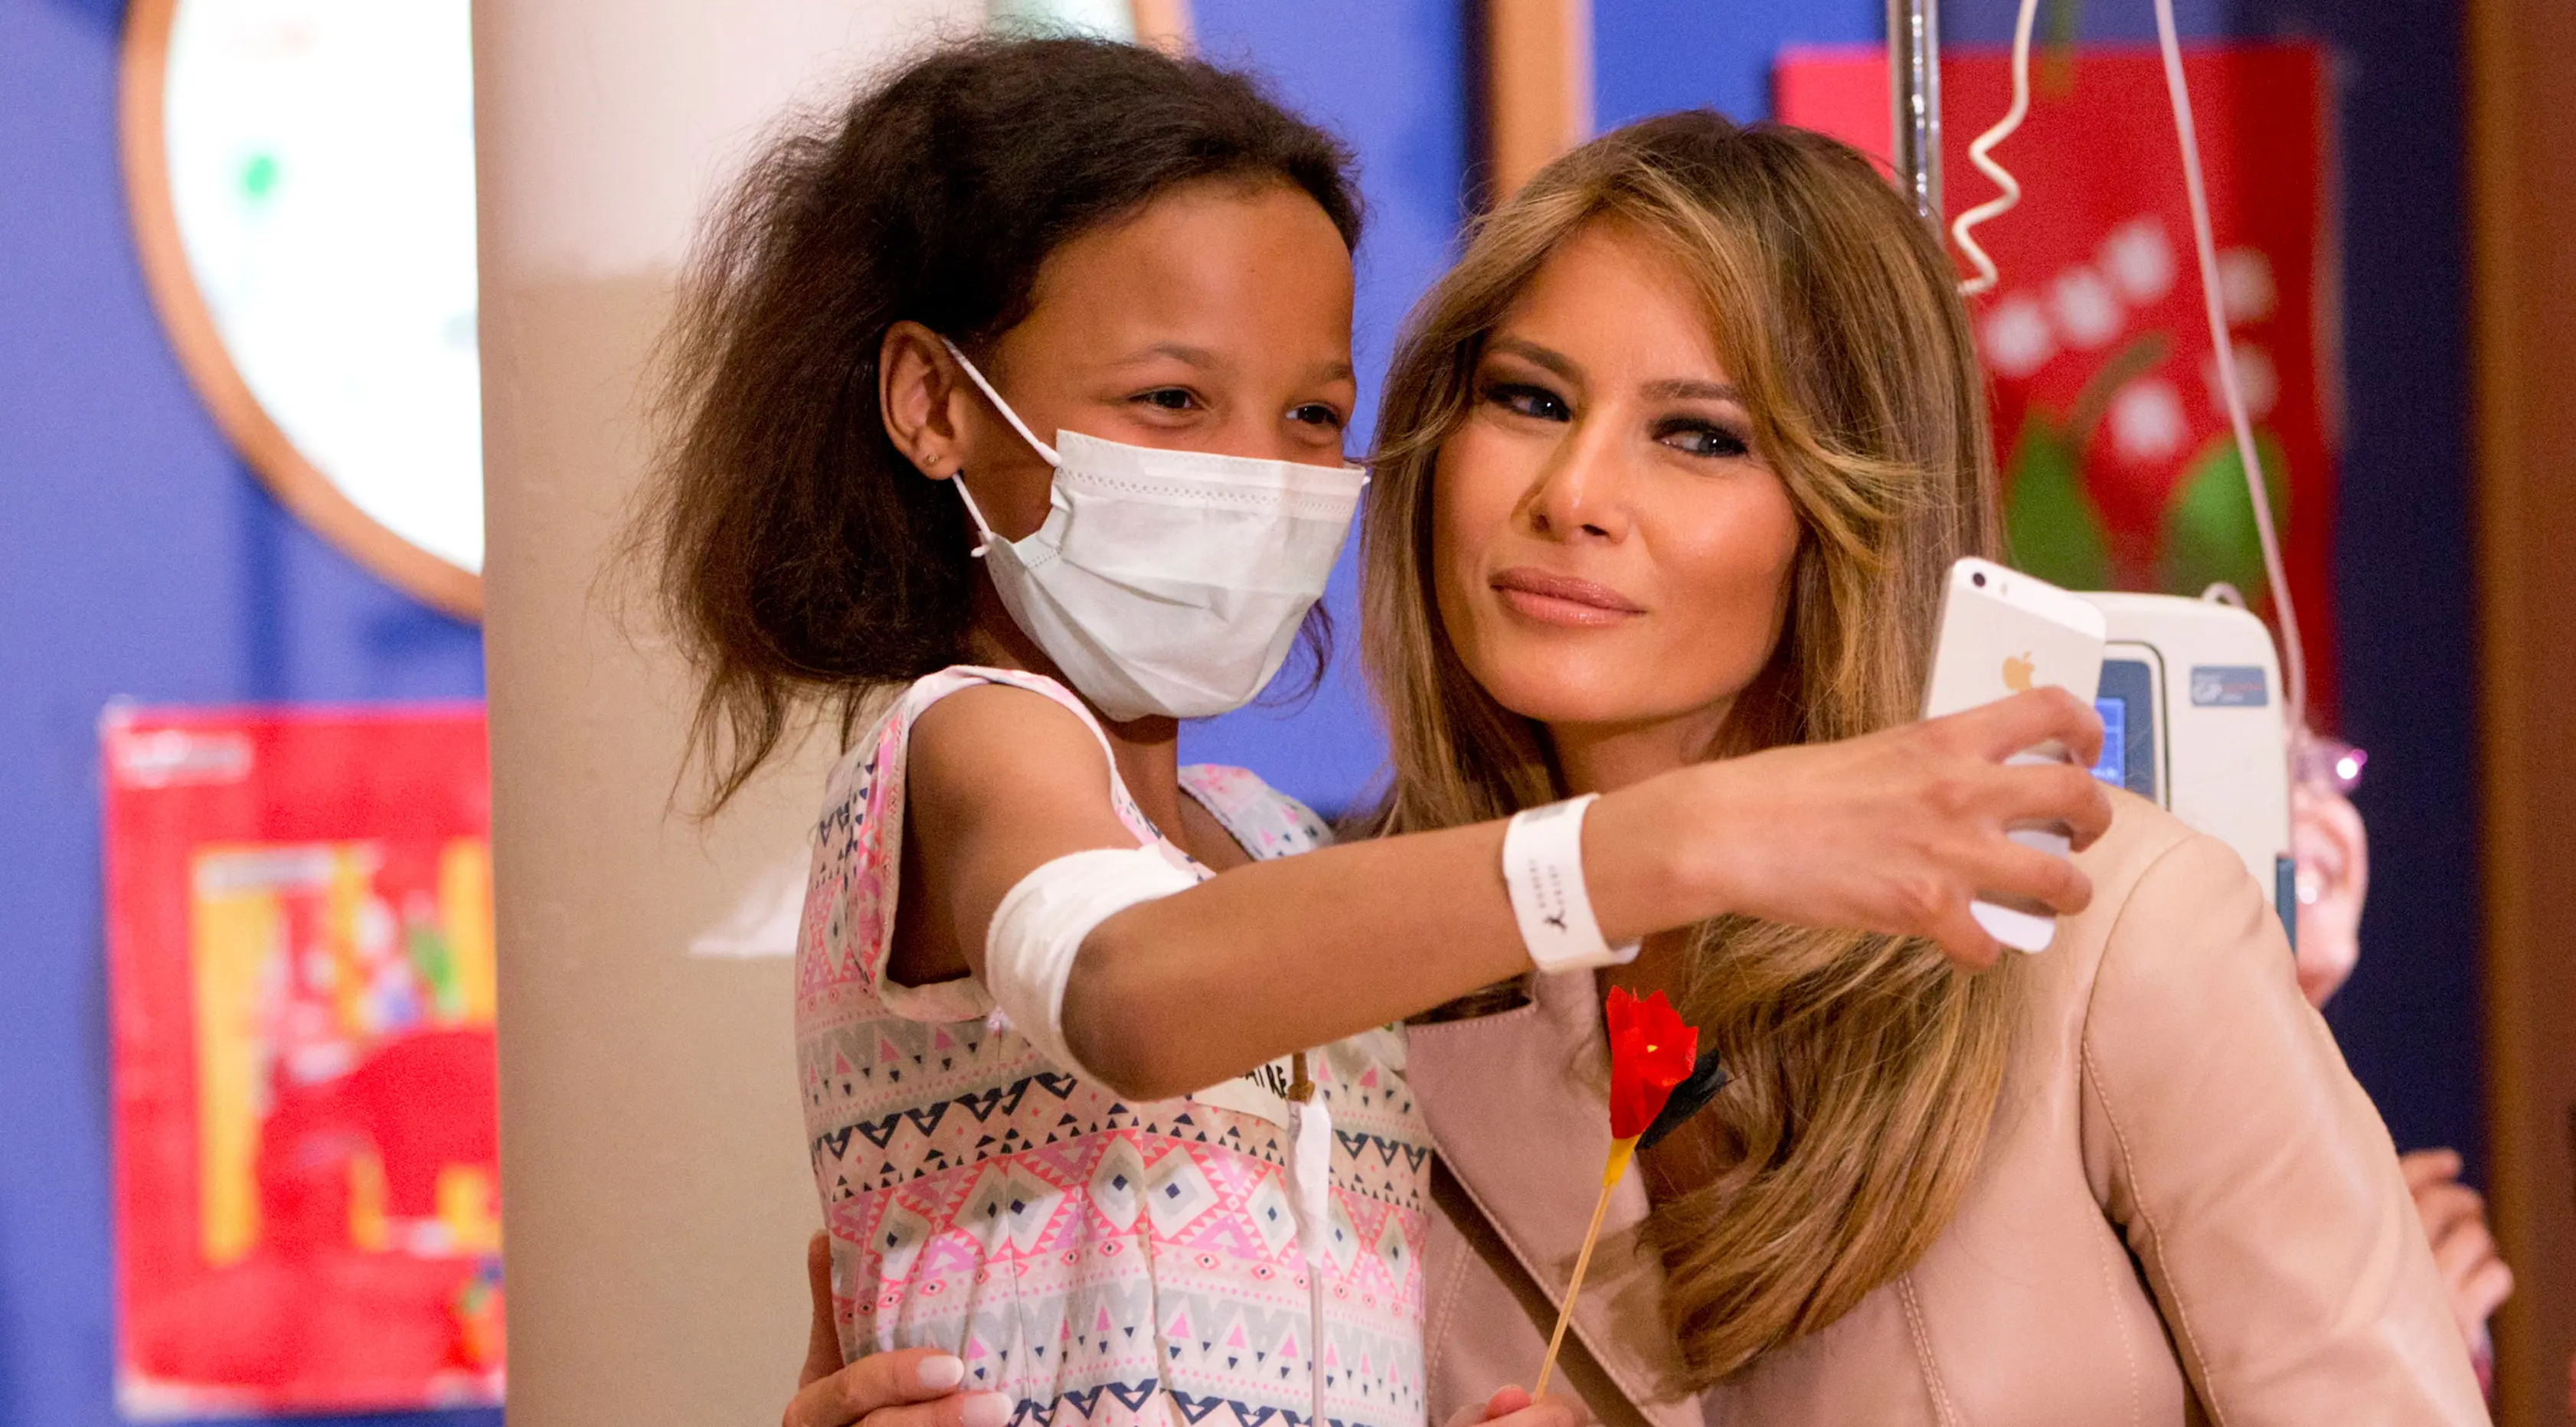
1866 1069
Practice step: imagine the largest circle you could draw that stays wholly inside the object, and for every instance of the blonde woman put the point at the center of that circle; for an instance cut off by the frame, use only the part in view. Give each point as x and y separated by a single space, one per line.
1670 469
1673 464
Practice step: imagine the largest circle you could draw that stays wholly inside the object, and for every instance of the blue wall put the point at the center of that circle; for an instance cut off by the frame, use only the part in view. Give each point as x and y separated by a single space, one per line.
138 557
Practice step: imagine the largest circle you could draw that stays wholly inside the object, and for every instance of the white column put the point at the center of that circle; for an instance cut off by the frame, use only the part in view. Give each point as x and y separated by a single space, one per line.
655 1183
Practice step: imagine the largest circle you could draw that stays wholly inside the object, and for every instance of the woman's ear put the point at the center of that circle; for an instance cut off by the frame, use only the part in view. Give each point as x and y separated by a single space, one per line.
923 395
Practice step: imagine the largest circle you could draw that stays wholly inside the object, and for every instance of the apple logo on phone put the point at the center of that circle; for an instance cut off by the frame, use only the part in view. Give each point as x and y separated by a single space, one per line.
2017 672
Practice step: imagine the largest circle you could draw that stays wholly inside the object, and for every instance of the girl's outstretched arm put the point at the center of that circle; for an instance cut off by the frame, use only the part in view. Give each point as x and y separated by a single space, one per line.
1895 832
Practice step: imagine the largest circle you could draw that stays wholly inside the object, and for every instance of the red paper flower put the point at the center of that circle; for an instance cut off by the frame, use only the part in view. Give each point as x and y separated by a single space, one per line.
1651 1051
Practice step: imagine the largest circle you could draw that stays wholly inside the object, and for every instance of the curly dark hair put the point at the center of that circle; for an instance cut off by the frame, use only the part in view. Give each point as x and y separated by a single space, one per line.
798 551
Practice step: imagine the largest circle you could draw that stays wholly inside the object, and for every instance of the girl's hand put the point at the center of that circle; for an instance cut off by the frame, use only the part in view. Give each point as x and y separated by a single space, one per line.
1893 832
1516 1407
915 1387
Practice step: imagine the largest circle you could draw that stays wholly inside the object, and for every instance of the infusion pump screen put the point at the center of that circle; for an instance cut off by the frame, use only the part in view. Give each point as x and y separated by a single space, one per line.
2114 767
2128 703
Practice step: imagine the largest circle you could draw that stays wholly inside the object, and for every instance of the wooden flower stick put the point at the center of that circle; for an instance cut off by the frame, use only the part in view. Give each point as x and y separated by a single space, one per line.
1651 1051
1621 1151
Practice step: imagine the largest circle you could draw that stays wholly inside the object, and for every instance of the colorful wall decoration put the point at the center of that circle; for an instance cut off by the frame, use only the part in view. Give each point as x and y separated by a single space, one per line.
299 939
2119 469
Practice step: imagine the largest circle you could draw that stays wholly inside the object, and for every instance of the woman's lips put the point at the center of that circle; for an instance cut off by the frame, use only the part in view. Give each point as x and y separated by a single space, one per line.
1551 598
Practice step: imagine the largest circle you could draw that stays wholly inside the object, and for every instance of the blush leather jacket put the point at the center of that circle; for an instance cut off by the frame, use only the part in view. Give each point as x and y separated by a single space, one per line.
2188 1211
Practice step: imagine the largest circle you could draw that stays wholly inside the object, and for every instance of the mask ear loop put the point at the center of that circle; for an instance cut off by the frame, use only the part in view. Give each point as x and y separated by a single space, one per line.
1002 406
983 529
983 532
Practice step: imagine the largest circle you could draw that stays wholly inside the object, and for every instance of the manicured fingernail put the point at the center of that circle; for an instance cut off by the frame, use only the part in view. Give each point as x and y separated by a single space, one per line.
940 1372
985 1409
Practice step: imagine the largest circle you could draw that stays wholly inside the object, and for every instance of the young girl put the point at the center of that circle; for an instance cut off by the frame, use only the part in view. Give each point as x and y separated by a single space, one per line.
1103 1089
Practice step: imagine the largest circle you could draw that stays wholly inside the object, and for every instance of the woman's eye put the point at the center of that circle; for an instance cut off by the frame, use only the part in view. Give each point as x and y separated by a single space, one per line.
1699 438
1168 398
1316 413
1522 399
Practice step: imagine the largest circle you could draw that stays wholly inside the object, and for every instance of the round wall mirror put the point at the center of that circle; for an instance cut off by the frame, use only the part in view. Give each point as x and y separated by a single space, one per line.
301 175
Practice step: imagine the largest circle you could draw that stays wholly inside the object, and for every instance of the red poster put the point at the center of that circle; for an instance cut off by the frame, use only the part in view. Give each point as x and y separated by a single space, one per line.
300 967
2119 469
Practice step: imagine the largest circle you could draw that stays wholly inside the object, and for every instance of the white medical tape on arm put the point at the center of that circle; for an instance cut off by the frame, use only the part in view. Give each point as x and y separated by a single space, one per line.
1040 926
1543 871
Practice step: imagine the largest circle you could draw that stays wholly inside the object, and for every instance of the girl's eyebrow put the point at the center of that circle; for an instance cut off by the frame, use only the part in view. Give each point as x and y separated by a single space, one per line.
1183 352
1207 360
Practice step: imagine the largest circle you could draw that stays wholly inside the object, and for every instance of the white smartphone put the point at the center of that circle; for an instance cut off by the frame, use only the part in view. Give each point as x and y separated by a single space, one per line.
2004 632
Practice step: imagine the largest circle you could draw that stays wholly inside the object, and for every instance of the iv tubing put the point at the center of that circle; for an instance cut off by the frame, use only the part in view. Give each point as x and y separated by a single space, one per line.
1984 144
2293 655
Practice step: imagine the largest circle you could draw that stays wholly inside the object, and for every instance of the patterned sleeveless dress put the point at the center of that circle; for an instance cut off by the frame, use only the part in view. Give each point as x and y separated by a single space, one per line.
1102 1262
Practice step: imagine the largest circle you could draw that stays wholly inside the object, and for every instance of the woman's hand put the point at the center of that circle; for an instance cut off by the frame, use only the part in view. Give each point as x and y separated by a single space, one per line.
1897 831
1515 1407
2455 1220
915 1387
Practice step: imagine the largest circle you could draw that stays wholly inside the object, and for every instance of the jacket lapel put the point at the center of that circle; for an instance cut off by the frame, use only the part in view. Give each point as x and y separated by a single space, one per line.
1518 1105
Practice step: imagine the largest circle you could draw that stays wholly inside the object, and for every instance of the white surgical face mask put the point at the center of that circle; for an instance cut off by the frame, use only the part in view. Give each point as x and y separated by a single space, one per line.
1167 582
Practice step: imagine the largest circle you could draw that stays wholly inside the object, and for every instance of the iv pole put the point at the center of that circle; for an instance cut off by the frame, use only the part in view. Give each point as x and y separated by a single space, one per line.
1914 96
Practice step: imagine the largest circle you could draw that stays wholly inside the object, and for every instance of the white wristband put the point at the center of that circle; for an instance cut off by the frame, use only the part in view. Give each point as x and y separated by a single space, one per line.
1039 929
1543 871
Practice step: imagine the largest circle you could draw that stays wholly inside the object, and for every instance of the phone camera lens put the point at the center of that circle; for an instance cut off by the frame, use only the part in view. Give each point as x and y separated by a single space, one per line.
1978 579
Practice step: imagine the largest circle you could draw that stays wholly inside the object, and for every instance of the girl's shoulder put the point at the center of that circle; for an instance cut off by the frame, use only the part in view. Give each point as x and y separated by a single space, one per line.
856 867
906 707
931 688
1267 822
891 713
